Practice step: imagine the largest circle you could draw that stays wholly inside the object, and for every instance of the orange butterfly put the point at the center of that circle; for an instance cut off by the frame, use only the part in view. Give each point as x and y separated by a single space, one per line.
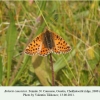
46 43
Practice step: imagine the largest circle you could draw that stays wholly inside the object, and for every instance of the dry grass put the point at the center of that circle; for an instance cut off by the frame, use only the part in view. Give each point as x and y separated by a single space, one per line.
77 22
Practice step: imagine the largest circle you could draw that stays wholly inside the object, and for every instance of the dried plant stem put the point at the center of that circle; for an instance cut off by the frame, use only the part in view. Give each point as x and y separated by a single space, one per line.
53 79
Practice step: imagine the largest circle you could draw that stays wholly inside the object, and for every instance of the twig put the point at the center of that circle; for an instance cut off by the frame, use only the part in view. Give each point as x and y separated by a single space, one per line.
53 80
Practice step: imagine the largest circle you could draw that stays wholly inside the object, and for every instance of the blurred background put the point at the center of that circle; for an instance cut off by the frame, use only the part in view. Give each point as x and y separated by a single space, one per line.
77 22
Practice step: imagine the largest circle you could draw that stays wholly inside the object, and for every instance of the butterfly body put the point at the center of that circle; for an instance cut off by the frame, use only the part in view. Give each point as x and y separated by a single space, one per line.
48 40
46 43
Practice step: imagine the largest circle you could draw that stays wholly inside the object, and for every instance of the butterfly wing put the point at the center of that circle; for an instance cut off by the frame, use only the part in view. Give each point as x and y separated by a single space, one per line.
37 47
44 51
60 45
34 47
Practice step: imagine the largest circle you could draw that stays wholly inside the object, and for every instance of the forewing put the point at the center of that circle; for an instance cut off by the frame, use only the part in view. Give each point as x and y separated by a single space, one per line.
60 45
34 46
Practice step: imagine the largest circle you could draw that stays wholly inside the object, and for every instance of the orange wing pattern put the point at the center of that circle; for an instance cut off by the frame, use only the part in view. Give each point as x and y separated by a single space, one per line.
44 51
60 45
37 46
34 47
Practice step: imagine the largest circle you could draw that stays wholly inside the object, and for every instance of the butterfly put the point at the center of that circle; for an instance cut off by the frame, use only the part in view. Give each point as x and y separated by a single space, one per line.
47 42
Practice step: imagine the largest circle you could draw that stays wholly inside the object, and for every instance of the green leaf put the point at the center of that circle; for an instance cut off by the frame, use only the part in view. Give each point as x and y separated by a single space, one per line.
11 40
